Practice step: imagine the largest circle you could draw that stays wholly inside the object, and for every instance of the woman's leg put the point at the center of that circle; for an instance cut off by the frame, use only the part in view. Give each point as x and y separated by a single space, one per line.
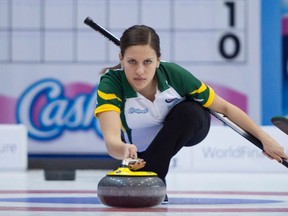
187 124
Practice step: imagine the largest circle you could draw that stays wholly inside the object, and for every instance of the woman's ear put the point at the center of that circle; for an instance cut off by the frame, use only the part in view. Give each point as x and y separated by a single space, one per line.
158 62
121 60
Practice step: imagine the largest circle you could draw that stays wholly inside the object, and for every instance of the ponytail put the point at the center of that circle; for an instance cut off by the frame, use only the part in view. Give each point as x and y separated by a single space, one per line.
103 71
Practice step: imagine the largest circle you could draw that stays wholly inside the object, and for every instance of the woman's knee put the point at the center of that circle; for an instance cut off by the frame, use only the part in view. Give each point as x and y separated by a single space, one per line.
193 119
189 112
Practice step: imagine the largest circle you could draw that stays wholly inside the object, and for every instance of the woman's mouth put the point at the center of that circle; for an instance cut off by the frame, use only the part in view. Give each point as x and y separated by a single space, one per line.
139 79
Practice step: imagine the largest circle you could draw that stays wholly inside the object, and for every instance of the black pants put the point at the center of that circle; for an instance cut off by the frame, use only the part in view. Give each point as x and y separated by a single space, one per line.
187 124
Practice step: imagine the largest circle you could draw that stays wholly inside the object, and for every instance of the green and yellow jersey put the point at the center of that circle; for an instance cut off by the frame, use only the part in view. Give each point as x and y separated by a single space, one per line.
141 118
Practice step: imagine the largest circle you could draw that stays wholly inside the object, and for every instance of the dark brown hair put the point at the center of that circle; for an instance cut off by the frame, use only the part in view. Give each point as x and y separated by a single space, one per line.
138 35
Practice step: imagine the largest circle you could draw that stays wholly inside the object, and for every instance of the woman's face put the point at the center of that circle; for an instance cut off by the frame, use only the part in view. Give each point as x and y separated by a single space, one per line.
140 63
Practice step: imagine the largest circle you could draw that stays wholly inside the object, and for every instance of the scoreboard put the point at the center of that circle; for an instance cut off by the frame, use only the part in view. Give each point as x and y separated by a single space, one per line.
211 31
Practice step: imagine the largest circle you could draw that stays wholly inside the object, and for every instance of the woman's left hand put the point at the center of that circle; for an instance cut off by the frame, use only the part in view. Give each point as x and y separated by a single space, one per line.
273 150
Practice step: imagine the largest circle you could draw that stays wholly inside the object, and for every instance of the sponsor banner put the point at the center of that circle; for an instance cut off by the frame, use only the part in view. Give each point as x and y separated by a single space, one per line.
13 147
229 153
56 105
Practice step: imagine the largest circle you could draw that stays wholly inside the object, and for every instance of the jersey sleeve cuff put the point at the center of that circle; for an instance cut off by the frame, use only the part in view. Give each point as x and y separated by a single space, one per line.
105 108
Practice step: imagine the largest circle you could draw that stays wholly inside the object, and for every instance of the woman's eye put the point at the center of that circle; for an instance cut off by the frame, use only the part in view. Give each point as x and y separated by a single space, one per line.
131 61
148 62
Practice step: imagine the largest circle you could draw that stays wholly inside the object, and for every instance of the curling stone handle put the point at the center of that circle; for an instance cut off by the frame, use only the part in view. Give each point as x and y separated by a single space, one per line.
126 162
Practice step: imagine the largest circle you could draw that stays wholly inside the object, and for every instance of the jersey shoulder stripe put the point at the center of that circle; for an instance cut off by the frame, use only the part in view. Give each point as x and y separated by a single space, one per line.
106 96
201 89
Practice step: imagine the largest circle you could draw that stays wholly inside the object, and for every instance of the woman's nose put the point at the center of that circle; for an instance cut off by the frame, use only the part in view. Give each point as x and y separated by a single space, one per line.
140 70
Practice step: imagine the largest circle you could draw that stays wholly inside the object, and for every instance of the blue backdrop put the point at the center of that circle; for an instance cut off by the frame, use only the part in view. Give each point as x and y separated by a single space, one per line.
285 55
272 86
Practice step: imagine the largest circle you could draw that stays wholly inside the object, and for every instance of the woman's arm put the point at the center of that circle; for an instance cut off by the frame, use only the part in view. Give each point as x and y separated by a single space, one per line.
236 115
111 128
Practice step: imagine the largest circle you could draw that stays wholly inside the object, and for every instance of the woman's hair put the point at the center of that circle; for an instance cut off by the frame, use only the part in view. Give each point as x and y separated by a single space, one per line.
138 35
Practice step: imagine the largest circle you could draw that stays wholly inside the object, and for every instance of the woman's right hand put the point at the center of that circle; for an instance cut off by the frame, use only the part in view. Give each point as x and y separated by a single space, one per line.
137 164
131 152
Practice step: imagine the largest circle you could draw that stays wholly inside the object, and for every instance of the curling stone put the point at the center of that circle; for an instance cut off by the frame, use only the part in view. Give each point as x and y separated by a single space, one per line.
131 189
